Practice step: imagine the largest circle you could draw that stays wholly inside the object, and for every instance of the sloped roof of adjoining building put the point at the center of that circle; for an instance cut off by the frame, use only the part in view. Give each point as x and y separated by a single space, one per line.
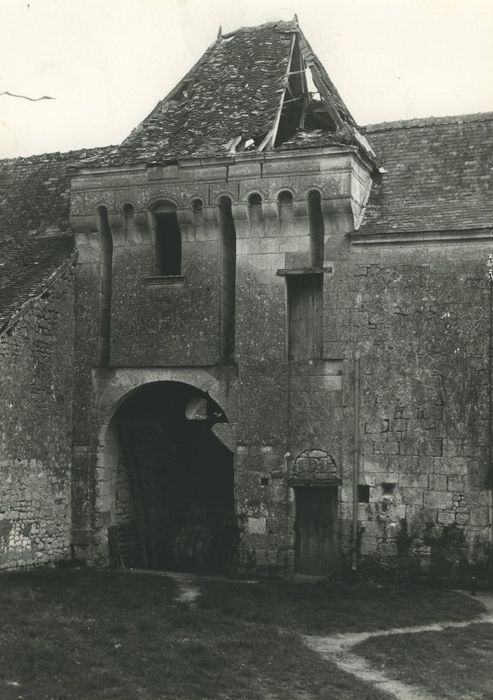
35 192
439 175
34 223
234 94
27 269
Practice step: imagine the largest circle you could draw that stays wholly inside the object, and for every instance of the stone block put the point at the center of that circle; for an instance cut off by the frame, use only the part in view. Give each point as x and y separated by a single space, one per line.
438 499
257 526
438 482
412 496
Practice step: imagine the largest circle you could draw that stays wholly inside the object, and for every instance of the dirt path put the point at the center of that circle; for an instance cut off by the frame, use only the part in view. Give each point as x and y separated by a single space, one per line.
188 589
338 649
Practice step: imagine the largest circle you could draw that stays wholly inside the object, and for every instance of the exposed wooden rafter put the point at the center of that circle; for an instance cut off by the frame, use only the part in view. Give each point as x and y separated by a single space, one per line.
269 143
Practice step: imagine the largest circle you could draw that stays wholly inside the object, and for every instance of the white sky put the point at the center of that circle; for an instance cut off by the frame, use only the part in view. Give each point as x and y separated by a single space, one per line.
107 62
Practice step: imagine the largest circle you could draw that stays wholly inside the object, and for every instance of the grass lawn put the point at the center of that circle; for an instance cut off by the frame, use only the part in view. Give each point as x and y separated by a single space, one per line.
455 663
328 609
102 634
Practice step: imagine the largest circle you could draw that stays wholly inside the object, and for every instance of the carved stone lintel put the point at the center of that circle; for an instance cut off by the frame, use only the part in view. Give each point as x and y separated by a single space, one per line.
313 467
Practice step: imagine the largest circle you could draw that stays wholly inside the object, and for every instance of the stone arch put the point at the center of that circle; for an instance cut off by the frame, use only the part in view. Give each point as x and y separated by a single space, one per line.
112 458
155 200
113 391
313 466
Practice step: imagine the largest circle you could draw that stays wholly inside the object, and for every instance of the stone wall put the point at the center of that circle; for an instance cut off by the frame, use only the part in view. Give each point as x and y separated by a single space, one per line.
419 317
416 315
36 365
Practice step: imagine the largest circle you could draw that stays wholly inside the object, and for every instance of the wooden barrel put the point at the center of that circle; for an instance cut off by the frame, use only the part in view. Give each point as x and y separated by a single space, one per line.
203 549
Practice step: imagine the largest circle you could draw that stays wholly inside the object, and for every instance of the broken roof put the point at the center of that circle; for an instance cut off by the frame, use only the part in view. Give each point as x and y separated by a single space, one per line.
438 175
250 90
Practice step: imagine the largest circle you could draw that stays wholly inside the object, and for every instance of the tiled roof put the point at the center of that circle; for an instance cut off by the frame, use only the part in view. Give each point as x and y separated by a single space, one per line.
34 212
35 192
234 90
27 269
439 175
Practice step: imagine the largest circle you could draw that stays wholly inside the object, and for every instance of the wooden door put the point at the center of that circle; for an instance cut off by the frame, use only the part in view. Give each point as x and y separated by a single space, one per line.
305 316
316 530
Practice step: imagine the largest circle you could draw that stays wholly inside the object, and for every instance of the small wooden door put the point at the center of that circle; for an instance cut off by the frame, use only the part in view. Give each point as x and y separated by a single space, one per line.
316 530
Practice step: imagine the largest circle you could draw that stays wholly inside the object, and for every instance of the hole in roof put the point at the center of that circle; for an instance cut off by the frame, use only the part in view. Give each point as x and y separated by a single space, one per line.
228 37
313 91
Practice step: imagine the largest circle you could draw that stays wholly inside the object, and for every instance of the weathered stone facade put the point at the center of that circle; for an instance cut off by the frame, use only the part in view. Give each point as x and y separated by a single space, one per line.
36 377
262 336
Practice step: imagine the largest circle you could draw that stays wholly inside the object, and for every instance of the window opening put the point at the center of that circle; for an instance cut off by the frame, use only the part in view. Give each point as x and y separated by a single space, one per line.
255 209
363 493
128 215
168 247
388 488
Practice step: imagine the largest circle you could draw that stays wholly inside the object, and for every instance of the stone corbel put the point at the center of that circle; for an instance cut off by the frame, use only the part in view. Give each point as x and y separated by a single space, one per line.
84 224
140 232
338 215
300 209
86 235
300 218
240 217
210 223
210 214
184 216
186 223
270 211
117 226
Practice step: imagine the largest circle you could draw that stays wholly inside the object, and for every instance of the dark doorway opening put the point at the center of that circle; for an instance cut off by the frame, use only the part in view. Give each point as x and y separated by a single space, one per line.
316 530
174 505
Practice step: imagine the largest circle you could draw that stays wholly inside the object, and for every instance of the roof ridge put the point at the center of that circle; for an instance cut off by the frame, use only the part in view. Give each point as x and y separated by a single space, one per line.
283 24
58 156
416 123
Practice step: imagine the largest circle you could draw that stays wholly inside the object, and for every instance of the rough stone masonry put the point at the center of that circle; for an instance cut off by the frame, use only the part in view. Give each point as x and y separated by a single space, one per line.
252 338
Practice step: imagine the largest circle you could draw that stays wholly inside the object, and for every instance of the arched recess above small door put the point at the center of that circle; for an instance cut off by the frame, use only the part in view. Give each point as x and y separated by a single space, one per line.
313 467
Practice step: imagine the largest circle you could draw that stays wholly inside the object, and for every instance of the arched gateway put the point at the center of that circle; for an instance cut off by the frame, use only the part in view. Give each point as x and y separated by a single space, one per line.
169 481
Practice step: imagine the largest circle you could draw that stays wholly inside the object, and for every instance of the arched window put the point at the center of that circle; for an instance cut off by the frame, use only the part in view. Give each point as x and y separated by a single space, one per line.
316 223
106 243
167 239
228 279
255 208
285 206
128 216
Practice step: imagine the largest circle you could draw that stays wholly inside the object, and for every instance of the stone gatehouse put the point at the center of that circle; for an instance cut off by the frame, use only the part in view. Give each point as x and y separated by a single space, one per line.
254 337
